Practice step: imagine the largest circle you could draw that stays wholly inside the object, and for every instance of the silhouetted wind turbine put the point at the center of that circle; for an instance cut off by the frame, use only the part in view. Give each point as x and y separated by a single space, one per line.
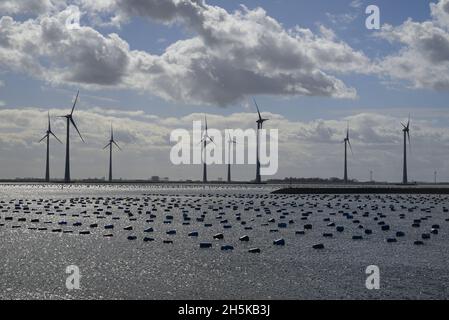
47 136
260 123
230 143
406 131
347 142
204 141
110 144
69 118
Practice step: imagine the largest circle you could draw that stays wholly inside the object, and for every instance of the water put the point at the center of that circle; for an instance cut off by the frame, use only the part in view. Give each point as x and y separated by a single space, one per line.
33 262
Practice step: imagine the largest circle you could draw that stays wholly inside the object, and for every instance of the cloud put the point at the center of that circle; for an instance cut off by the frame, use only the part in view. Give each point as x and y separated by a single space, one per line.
423 59
232 56
307 148
34 7
356 3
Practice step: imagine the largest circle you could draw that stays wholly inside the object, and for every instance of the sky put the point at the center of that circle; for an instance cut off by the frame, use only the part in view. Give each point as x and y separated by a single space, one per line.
150 67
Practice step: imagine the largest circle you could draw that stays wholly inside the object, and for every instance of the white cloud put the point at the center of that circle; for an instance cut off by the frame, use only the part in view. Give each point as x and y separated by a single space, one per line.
308 149
423 59
234 55
356 3
25 6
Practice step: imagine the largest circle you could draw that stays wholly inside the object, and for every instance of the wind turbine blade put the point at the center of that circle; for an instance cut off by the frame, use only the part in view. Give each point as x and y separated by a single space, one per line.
43 138
117 145
76 128
55 137
49 125
211 140
74 104
350 147
107 145
257 107
409 140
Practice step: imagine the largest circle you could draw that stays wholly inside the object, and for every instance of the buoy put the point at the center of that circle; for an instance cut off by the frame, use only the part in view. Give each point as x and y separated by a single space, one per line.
279 242
219 236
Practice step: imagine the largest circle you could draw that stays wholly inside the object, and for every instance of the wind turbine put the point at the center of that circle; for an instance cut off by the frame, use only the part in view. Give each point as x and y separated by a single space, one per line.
47 136
347 142
260 123
406 132
69 118
204 141
110 144
230 143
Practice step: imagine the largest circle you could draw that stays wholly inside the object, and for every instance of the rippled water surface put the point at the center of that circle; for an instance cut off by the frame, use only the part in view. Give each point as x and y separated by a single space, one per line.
44 229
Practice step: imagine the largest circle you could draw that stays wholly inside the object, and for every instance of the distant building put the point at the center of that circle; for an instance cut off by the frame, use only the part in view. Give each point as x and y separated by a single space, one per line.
155 178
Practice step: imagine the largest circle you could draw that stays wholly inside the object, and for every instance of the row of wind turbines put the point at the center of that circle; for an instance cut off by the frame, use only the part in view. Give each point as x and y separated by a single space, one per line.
49 133
206 139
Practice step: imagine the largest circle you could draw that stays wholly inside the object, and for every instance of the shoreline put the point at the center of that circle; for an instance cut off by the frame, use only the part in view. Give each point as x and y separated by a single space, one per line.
413 189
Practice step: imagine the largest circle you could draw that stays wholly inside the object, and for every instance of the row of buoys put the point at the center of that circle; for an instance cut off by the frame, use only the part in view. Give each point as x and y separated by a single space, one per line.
250 211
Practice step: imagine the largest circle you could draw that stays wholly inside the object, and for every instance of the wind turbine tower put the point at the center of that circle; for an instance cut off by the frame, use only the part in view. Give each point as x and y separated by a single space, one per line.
206 139
406 131
231 142
69 118
347 142
47 137
110 145
260 123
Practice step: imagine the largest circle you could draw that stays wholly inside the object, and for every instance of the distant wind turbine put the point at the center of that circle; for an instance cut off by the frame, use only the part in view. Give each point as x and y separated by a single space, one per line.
69 118
347 142
47 137
406 132
260 123
110 144
206 139
230 143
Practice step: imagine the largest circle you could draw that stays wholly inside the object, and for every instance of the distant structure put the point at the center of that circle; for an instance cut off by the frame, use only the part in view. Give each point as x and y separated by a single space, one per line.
47 137
435 176
206 139
260 123
347 143
69 118
371 176
230 143
110 144
406 131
